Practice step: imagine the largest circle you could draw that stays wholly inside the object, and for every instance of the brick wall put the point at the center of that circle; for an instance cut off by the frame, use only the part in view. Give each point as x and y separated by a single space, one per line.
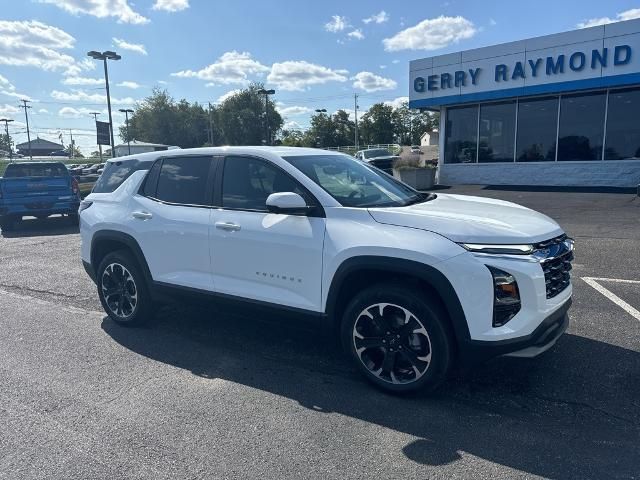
622 173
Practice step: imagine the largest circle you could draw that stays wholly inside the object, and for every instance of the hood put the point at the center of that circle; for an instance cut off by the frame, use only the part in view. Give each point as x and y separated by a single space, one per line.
470 219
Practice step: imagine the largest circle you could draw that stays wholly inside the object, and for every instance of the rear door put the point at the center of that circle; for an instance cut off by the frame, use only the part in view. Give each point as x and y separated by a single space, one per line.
170 217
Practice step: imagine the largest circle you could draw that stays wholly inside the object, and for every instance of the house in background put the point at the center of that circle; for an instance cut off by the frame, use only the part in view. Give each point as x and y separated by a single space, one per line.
39 147
141 147
430 137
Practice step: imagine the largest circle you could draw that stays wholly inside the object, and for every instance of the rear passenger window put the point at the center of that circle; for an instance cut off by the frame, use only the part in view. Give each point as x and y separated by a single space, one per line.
151 182
184 180
114 174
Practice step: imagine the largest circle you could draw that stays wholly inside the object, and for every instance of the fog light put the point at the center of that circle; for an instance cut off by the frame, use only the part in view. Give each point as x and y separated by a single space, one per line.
506 299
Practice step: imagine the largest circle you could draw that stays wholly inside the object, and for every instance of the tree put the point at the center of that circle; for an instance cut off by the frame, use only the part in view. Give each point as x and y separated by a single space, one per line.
377 125
76 151
6 143
409 125
293 138
241 117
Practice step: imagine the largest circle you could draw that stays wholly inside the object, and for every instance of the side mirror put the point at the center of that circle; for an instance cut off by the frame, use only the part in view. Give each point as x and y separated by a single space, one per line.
287 203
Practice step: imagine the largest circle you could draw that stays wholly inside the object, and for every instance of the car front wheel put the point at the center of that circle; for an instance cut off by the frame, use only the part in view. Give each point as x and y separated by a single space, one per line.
398 338
122 290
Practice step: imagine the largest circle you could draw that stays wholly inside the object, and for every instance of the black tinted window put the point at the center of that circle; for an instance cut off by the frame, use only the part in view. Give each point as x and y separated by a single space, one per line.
115 173
150 183
537 128
247 182
461 140
623 134
581 126
36 170
184 180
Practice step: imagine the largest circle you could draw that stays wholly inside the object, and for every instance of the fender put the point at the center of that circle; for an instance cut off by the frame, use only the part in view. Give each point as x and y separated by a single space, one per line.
129 241
426 273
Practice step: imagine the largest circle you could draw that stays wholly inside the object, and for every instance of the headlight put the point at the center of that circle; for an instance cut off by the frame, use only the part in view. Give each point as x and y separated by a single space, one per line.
84 204
506 297
498 249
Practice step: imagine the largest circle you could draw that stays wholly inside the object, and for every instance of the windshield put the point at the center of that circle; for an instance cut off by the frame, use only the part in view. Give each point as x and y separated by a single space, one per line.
16 170
380 152
353 183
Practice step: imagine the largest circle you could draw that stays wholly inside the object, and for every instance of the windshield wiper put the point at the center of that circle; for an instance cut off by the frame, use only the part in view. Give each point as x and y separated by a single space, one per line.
421 198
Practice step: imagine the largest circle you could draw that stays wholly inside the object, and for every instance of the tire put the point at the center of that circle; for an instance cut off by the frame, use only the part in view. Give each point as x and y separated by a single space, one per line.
130 304
7 224
397 338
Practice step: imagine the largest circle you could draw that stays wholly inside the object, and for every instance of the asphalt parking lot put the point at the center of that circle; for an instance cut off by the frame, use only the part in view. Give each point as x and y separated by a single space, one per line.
201 394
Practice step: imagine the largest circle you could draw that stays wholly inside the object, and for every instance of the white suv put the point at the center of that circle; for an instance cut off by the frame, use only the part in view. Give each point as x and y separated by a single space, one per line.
413 283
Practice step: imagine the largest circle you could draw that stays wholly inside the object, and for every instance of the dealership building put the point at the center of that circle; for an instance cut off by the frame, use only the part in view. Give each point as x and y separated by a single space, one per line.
561 109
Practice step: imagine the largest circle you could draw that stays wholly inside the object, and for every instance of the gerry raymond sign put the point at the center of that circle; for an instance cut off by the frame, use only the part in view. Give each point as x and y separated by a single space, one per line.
576 62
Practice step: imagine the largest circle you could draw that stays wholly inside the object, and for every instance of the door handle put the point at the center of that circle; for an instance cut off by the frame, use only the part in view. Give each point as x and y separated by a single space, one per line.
142 215
229 227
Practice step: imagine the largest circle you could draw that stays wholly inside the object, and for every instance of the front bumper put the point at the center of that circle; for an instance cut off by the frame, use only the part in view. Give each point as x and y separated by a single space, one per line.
537 342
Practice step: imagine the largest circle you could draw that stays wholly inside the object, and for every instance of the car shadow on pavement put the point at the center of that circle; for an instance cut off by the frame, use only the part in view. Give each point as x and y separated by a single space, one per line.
35 227
573 412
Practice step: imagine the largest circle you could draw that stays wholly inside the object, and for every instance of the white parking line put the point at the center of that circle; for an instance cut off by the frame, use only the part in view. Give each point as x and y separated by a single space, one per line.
593 282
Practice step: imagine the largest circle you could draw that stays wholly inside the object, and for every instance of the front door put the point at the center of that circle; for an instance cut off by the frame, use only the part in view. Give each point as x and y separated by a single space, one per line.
264 256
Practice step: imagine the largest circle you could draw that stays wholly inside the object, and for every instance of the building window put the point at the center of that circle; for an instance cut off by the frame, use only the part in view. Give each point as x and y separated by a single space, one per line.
537 129
623 134
581 126
461 139
497 132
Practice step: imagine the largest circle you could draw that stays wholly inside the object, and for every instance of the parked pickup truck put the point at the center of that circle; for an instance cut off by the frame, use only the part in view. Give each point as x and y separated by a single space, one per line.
37 189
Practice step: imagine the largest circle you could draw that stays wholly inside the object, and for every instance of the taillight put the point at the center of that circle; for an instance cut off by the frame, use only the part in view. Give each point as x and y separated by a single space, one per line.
75 188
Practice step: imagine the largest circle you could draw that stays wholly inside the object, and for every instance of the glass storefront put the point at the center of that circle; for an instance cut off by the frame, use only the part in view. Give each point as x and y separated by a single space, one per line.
527 130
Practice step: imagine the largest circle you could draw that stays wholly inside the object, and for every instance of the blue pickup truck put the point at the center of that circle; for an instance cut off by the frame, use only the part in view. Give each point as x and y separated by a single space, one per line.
37 189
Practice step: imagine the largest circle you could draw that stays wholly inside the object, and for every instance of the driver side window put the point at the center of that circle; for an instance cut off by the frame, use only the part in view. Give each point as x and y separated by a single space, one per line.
247 182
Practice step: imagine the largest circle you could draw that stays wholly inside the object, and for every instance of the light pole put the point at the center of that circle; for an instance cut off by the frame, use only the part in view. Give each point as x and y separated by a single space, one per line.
321 110
6 129
126 112
266 94
104 56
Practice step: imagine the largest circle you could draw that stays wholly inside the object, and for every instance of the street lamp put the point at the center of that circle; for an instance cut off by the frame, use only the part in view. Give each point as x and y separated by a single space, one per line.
6 129
104 56
126 112
321 110
266 94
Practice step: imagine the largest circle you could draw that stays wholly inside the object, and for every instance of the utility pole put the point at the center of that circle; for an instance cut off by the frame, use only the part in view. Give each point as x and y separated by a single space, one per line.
210 125
266 94
95 118
25 106
355 99
72 146
126 112
6 129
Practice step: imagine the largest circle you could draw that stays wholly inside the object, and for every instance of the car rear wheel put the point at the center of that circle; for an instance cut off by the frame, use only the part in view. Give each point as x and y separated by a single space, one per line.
397 338
122 289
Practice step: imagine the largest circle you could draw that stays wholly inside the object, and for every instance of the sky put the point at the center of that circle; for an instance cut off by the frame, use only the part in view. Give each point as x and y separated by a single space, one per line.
315 54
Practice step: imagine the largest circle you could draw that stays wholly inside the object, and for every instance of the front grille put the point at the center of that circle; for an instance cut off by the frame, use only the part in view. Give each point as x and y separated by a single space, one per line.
385 165
556 268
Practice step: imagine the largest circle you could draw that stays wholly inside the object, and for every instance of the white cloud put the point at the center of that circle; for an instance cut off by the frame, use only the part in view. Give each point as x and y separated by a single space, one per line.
298 75
357 34
128 84
492 22
370 82
337 24
163 82
34 44
77 68
293 111
7 109
43 111
231 67
229 94
431 34
382 67
626 15
7 88
377 18
395 61
133 47
119 9
80 95
82 81
397 102
291 125
71 112
171 5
